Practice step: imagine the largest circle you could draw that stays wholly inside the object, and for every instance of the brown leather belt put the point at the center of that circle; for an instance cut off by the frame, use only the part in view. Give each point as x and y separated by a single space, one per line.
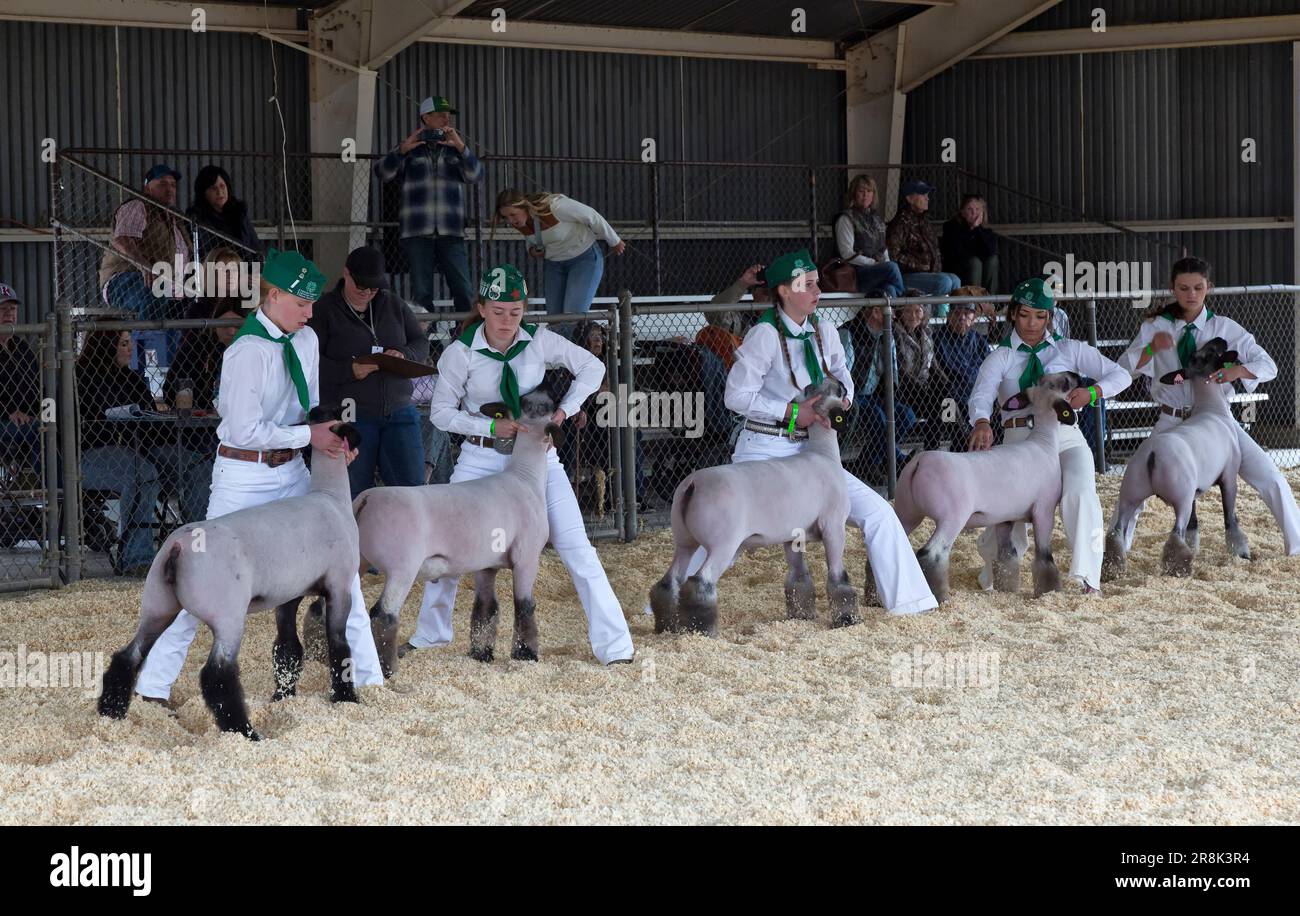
1017 422
481 441
1179 412
273 458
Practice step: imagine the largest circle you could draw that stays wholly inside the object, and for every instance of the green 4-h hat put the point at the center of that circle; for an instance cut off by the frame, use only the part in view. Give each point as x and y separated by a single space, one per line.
788 266
291 272
503 283
1035 293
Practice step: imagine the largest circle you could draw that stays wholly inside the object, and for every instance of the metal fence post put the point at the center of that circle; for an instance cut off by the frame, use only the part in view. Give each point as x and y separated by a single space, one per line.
614 434
891 439
50 431
627 436
1100 443
812 212
67 414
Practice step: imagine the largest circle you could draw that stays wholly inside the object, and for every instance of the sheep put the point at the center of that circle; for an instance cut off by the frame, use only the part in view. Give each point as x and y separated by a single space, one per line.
477 526
959 490
1179 464
751 504
221 569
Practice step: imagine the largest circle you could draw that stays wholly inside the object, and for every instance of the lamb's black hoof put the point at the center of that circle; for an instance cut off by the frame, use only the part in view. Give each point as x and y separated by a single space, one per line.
344 693
482 655
251 735
523 654
406 649
281 694
845 620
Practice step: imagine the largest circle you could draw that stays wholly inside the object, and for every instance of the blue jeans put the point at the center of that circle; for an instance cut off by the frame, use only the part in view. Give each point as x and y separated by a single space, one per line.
135 481
881 277
571 285
127 293
934 285
394 443
873 420
446 253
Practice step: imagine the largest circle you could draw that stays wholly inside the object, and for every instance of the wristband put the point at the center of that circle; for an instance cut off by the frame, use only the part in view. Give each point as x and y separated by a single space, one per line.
492 430
794 415
1092 390
1149 351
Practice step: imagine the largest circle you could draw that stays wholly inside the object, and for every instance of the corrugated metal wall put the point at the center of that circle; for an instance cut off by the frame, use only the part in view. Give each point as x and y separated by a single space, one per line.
1078 14
144 88
1143 135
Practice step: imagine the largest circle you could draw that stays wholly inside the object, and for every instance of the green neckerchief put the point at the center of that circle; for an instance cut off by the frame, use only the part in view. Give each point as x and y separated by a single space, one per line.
1034 367
810 361
255 328
509 384
1187 343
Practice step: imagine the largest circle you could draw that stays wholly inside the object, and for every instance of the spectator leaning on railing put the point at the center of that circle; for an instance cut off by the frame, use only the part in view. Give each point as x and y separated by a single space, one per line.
860 240
915 246
565 233
147 235
969 247
360 317
215 206
435 165
20 393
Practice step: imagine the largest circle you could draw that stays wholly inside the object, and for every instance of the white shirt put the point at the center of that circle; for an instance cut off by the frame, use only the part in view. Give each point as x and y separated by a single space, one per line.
999 375
1249 354
467 379
576 231
844 244
758 385
258 403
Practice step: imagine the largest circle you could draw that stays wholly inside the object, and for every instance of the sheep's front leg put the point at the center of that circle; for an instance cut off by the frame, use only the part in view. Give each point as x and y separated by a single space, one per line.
800 596
286 654
483 620
1176 559
338 605
525 645
840 593
1047 577
219 679
1237 543
1006 565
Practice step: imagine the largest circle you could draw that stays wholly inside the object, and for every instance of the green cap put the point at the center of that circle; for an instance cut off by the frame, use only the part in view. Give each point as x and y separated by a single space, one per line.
788 266
503 282
1035 293
291 272
436 103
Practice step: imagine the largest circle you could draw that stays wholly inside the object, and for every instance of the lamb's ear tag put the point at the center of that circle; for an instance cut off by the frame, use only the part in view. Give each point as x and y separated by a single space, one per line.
837 418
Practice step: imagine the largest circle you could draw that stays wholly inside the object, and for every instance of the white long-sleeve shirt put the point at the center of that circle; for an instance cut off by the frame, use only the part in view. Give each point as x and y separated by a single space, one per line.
844 245
258 403
467 379
578 228
1249 354
999 375
758 385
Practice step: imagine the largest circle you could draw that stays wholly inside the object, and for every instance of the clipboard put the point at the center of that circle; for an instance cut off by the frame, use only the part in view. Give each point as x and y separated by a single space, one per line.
397 365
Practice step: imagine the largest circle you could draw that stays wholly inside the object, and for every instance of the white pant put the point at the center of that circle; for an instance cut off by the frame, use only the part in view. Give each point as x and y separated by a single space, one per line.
611 640
239 485
899 582
1258 470
1080 511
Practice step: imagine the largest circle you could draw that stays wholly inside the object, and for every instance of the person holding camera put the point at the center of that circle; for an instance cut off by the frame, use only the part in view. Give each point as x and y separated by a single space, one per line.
435 165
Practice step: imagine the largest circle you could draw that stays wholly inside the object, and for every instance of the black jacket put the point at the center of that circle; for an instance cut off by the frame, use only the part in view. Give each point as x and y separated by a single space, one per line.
233 221
19 378
960 242
343 335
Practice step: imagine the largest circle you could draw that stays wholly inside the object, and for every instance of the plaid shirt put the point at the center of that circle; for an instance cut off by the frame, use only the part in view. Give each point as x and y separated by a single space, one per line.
433 187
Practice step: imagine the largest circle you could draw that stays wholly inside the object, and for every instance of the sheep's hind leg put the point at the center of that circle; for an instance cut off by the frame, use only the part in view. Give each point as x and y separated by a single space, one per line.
800 595
315 643
219 679
1114 560
157 611
386 613
525 646
483 620
1176 559
286 654
1006 566
338 605
665 593
698 600
933 558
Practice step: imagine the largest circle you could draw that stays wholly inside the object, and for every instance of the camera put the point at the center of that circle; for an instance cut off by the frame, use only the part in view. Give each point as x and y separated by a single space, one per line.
761 277
433 134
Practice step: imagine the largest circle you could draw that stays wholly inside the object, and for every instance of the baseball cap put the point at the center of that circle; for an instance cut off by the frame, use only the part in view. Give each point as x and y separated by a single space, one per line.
437 103
914 186
366 265
160 169
9 294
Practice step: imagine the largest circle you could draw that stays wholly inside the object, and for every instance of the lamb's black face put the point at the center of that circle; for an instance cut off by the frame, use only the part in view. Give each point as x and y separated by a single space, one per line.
1209 357
537 406
1061 382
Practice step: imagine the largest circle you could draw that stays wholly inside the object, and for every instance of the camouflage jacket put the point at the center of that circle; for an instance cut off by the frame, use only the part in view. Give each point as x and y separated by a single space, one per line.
913 243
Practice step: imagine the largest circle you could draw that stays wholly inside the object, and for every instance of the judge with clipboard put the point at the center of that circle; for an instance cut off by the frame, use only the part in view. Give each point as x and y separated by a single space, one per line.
371 347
